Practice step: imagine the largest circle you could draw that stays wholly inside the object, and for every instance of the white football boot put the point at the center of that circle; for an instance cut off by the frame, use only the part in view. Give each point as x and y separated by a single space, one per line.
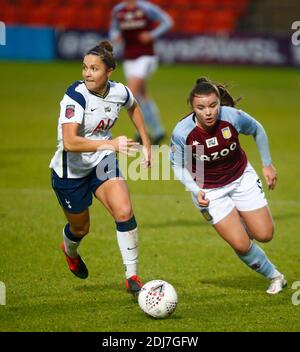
277 284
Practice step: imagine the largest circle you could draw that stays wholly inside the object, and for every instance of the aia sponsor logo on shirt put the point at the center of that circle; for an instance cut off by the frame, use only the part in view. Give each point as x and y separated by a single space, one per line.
70 111
105 125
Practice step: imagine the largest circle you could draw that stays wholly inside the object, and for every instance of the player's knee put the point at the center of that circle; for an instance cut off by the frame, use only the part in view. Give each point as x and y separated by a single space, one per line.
266 238
265 234
241 247
123 214
81 230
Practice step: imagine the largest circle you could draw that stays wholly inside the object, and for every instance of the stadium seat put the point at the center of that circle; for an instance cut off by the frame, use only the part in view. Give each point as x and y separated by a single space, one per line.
195 21
39 15
66 17
192 16
223 22
9 14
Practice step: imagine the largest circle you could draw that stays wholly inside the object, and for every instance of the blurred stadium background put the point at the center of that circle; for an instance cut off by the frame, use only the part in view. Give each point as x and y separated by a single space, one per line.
197 16
243 42
64 29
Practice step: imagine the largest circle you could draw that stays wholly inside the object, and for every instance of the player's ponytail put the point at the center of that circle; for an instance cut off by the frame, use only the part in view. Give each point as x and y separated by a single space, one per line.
225 96
205 86
105 51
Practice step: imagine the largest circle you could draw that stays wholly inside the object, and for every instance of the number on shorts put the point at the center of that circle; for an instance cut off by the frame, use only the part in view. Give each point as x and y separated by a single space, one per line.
259 185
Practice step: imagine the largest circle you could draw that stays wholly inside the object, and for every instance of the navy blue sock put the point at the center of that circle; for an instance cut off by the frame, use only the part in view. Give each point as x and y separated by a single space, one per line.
128 225
71 242
69 234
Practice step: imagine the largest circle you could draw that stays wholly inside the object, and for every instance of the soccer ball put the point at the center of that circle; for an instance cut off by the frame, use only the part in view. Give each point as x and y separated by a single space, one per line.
158 299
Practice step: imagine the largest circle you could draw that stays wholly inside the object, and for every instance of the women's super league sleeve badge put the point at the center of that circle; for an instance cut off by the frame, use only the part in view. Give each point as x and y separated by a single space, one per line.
70 111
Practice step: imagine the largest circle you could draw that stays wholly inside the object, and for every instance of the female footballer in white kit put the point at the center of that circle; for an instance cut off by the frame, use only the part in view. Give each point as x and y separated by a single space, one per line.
228 192
85 163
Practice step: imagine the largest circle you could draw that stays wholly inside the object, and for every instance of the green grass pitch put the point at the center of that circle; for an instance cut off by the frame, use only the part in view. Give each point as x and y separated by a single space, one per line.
216 291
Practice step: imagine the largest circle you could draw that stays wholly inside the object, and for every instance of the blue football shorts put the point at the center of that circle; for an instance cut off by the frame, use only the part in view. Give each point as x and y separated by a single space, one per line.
76 194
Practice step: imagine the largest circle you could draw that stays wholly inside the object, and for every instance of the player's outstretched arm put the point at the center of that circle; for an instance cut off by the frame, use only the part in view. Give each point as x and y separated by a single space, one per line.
72 142
137 118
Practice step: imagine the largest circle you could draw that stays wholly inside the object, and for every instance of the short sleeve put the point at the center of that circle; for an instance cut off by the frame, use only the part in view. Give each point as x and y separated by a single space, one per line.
70 111
129 98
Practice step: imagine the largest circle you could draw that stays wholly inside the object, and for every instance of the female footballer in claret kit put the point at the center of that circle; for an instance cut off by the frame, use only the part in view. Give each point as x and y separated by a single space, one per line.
137 25
228 192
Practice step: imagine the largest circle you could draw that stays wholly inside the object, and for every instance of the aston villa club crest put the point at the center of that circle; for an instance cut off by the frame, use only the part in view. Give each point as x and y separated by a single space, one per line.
226 132
70 111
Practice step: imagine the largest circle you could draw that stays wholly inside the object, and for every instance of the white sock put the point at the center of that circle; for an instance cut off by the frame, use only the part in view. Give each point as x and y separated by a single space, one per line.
70 246
128 244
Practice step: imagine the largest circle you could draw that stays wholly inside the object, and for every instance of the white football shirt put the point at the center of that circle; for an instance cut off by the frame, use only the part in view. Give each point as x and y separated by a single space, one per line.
96 115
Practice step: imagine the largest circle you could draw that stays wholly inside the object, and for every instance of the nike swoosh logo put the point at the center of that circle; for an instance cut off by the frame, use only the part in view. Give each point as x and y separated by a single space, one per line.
93 109
130 249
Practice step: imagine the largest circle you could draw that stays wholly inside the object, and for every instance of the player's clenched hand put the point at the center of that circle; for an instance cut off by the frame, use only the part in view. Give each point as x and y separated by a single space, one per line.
270 175
147 158
125 145
117 39
145 37
203 202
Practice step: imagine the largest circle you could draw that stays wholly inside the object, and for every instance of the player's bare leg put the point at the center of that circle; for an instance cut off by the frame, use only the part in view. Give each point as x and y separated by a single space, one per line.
232 231
260 223
79 223
138 87
76 228
115 197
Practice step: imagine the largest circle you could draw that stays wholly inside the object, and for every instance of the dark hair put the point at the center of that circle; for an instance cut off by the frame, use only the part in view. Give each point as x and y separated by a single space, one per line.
105 51
205 86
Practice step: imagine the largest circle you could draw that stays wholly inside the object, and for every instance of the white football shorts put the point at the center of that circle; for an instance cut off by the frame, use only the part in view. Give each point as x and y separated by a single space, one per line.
142 67
244 194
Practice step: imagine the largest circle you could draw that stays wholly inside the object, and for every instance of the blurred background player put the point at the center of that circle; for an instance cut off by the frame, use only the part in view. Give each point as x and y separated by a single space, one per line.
134 24
85 162
230 195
